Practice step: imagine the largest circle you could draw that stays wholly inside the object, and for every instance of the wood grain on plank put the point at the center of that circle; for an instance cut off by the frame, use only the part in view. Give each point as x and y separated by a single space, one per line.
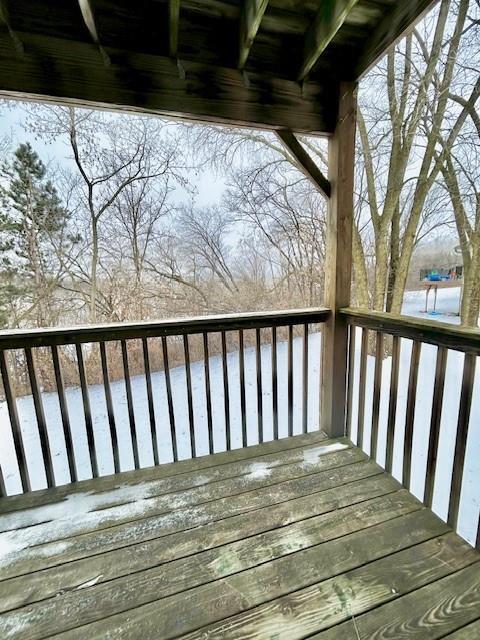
279 539
127 504
28 559
296 610
192 608
426 614
172 469
469 632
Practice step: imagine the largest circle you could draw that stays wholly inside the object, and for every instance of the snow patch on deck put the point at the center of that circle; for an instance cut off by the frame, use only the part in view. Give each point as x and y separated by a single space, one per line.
78 513
258 471
313 455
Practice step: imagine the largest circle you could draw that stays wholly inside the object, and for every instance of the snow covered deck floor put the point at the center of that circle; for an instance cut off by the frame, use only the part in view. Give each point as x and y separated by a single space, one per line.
302 537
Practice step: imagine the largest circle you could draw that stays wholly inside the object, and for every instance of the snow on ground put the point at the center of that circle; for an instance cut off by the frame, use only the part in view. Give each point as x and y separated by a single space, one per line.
447 307
179 390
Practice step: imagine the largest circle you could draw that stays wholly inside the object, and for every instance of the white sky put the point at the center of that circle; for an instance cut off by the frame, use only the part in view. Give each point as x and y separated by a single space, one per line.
12 116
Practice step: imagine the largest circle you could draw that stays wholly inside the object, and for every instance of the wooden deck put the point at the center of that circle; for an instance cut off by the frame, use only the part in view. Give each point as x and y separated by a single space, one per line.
303 537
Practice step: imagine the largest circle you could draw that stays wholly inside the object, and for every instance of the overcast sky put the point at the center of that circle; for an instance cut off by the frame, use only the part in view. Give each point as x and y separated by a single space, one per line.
12 118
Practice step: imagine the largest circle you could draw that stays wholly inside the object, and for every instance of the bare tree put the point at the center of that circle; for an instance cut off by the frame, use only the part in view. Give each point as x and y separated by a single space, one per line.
109 156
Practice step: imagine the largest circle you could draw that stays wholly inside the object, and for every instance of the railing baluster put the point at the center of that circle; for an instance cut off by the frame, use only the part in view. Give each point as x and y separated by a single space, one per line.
274 384
67 430
241 362
392 403
208 392
258 355
351 370
41 421
468 380
410 413
226 394
435 420
87 411
305 379
151 407
110 412
188 377
15 424
377 386
168 385
131 414
290 380
361 387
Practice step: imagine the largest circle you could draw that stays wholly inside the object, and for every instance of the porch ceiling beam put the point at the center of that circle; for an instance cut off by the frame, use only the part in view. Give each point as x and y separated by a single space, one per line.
330 17
304 162
396 23
250 18
173 21
139 82
88 18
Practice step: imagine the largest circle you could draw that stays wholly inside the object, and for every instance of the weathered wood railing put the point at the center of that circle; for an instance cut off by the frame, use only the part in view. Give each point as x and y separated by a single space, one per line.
59 360
409 440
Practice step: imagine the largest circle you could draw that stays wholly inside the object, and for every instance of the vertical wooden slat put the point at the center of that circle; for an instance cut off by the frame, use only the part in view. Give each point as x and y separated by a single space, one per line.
435 420
258 353
188 376
361 387
274 384
377 387
290 380
392 403
338 262
351 370
241 361
208 392
305 379
410 413
131 414
15 424
226 393
151 407
67 431
168 385
468 380
87 411
110 412
41 421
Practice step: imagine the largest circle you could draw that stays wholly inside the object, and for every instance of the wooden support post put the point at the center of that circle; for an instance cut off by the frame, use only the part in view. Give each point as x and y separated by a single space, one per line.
338 264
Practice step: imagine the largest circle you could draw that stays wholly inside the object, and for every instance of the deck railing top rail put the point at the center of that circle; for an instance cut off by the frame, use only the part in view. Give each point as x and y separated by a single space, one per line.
27 338
433 332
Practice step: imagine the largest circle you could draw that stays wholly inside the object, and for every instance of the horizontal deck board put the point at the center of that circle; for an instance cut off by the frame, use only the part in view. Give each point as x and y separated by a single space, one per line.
428 613
353 508
285 544
191 488
184 573
33 557
469 632
325 601
41 497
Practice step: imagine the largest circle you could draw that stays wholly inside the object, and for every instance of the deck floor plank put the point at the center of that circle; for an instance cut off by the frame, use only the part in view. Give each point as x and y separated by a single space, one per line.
173 469
284 521
33 552
226 479
304 541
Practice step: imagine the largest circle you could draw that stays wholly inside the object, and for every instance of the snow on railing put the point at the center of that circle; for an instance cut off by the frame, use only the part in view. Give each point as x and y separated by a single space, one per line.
87 401
413 404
